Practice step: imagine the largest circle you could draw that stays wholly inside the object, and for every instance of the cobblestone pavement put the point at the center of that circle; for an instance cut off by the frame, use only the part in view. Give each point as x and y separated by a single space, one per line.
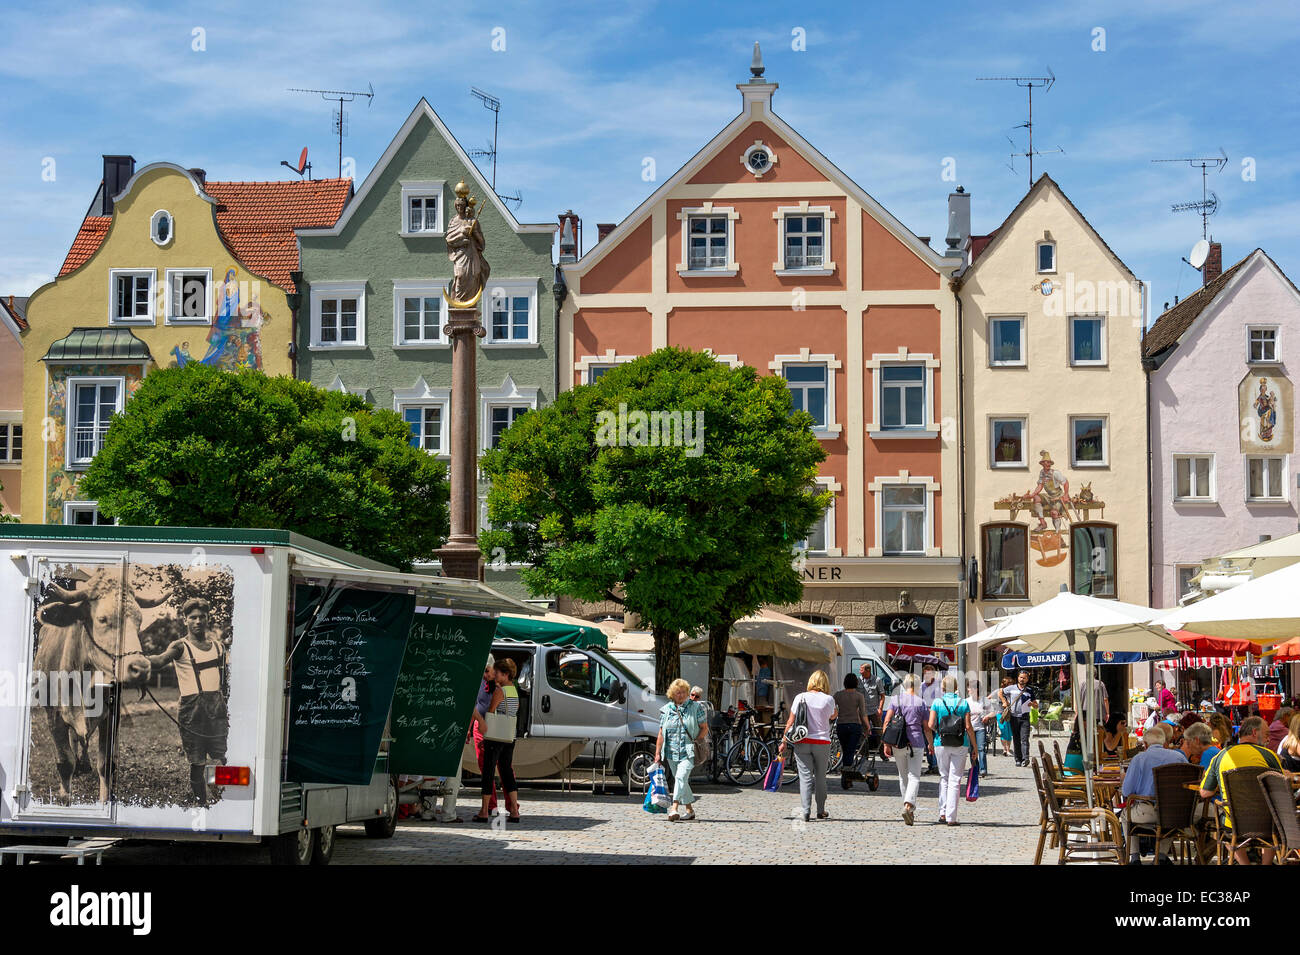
735 826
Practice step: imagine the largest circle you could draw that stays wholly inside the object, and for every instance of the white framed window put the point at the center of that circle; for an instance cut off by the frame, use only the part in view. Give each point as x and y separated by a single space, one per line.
510 312
1007 340
708 241
1194 478
338 315
1184 574
1046 255
1266 479
91 404
1087 340
84 514
189 296
904 510
903 392
821 541
1089 442
131 295
595 370
502 407
1007 443
11 442
804 240
162 228
422 207
419 312
758 159
811 380
584 365
1261 344
807 384
426 412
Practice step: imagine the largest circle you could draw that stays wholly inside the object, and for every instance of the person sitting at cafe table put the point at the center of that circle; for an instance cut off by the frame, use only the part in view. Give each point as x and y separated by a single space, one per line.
1140 781
1250 750
1114 739
1073 762
1196 745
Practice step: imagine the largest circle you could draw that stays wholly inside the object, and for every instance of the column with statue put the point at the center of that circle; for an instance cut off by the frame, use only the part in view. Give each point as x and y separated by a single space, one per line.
460 556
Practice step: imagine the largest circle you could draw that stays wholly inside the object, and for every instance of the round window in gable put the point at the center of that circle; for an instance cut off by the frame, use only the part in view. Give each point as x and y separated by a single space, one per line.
758 159
162 227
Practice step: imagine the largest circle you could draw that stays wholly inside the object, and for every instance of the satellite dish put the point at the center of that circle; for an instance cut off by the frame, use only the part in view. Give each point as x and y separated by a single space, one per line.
302 160
1200 251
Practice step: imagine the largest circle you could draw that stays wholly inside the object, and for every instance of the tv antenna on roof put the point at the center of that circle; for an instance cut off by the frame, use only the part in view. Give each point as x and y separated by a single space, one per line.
491 102
340 117
1209 203
1028 83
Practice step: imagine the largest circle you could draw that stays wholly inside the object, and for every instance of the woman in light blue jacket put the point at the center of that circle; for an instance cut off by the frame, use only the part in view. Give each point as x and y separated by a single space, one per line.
681 723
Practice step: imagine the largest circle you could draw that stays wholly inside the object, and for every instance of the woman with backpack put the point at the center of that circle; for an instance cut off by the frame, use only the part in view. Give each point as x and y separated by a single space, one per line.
955 737
809 730
905 740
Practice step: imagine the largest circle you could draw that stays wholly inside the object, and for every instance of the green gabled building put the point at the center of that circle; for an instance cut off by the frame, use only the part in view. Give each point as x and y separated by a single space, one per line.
371 315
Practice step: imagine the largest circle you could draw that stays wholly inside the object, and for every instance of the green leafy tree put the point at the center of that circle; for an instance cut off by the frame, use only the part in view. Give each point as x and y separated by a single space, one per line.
198 447
686 533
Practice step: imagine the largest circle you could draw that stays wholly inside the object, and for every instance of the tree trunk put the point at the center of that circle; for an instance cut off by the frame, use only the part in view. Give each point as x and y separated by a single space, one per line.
718 637
668 660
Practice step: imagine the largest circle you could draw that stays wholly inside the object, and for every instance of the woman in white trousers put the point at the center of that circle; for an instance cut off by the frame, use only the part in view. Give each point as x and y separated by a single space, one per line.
951 749
909 708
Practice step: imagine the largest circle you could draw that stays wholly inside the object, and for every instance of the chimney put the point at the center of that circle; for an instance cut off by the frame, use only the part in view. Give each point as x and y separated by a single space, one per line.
118 171
201 175
570 236
958 239
757 93
603 229
1213 266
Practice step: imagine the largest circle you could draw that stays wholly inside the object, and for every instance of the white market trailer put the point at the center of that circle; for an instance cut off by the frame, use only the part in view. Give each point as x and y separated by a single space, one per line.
103 734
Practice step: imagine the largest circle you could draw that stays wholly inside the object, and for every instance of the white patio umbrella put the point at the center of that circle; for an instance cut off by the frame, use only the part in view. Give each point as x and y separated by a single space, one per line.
1263 610
1073 622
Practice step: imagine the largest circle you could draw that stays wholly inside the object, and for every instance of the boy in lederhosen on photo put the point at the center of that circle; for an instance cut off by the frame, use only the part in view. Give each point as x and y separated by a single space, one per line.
199 660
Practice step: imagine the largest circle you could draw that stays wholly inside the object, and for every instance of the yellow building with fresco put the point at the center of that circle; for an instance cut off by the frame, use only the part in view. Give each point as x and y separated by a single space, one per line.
1055 407
168 269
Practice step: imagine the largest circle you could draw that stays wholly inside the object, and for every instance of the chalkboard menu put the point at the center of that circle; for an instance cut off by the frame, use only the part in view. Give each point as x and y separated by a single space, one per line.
440 679
347 650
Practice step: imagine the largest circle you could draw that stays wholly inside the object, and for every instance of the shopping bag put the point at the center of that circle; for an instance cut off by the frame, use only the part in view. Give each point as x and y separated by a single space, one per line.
973 783
657 793
772 780
649 804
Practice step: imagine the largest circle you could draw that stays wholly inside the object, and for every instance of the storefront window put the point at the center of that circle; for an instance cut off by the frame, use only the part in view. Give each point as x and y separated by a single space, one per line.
1006 556
1092 567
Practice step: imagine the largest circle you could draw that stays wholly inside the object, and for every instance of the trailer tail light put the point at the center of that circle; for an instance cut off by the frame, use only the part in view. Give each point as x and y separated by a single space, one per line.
229 775
257 550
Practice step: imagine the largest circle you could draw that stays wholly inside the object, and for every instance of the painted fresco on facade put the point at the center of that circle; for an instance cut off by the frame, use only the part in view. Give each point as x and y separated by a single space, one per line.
61 483
234 338
1264 403
1055 510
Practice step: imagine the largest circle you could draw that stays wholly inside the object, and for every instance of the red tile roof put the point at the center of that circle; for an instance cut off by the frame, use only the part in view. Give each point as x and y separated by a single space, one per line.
1166 330
89 238
256 220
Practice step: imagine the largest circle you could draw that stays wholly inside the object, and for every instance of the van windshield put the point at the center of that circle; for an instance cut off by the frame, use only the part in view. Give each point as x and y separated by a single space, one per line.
623 671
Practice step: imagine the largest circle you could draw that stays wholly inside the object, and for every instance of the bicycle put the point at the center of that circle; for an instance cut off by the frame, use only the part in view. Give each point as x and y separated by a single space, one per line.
749 757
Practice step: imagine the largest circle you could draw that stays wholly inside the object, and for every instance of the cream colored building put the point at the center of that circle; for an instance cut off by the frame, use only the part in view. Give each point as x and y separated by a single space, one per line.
1055 413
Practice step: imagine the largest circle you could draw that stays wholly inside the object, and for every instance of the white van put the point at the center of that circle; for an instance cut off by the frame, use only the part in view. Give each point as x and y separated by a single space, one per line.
737 680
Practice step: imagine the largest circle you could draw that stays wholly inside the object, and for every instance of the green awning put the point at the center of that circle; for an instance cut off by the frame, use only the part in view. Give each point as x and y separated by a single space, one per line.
99 345
558 632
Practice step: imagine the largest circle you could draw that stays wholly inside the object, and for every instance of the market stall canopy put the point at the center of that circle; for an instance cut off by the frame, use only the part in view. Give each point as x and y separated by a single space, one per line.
1262 558
768 633
1262 610
633 641
553 628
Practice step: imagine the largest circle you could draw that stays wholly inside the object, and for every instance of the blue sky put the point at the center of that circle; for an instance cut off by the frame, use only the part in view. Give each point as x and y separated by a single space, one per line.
886 91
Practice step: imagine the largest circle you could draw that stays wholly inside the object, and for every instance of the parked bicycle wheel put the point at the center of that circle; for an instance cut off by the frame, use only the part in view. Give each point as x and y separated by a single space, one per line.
747 761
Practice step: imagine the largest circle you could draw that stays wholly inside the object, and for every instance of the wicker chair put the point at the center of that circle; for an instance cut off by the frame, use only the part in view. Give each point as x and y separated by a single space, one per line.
1104 845
1252 820
1174 804
1281 804
1046 821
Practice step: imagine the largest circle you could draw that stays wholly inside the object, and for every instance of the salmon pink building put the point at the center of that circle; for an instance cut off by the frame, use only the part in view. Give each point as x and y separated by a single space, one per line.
760 250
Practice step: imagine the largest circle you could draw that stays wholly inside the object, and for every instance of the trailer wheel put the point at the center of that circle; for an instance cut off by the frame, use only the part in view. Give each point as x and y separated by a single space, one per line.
294 848
323 846
383 827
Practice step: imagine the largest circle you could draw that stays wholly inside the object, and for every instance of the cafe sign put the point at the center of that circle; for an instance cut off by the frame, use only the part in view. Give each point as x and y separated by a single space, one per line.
915 628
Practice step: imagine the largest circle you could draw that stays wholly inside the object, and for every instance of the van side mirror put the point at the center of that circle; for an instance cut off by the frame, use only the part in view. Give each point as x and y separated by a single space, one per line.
618 693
